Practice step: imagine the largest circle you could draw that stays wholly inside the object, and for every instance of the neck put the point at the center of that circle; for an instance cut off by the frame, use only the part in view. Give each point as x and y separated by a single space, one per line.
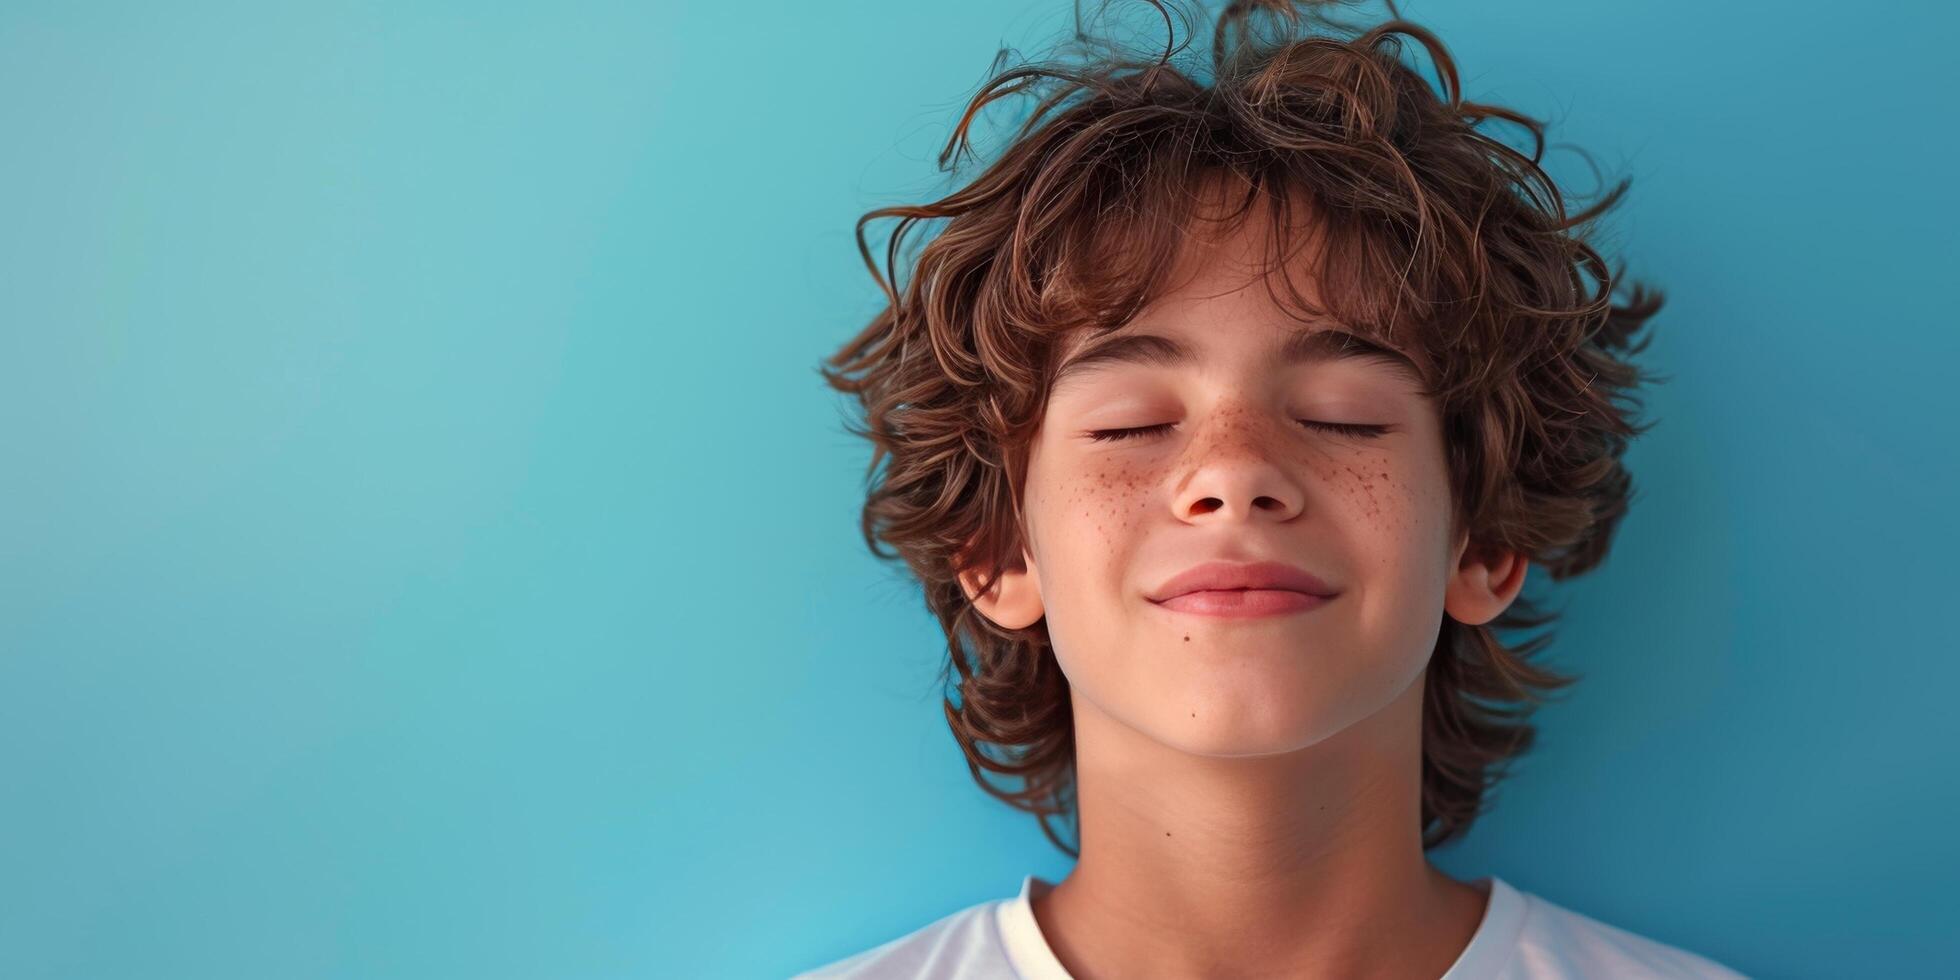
1305 863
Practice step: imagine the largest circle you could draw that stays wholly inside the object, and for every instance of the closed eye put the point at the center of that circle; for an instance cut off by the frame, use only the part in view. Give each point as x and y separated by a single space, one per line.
1355 429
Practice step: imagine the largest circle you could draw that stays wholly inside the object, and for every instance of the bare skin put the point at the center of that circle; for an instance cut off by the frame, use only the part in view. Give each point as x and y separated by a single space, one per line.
1249 787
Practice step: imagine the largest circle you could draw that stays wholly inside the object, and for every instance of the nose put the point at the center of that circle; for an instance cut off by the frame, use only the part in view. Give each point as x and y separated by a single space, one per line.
1235 471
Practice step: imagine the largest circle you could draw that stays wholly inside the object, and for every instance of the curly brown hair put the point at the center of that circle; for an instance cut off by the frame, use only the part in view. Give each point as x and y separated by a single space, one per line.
1437 237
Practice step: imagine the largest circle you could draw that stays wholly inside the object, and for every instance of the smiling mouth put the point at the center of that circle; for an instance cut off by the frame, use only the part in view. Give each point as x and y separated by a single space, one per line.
1239 603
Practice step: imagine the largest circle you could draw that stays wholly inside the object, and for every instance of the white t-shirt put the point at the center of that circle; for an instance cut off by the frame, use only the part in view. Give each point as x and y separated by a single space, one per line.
1521 937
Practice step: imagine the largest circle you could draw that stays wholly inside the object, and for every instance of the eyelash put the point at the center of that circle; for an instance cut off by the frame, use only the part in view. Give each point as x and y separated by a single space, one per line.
1339 428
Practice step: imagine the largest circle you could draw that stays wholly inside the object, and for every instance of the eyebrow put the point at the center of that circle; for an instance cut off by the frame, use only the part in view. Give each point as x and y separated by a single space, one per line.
1304 346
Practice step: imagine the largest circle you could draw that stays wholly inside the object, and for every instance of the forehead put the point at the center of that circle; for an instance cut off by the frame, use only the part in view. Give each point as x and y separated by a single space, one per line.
1244 275
1171 346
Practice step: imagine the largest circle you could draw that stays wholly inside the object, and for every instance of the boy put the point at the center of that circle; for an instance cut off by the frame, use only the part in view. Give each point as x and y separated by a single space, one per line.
1223 423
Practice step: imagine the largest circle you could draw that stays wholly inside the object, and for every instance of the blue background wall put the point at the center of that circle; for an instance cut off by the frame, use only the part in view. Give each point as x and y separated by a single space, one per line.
426 548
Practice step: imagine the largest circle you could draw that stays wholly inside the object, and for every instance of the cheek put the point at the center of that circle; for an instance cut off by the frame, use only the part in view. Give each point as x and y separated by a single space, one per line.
1102 502
1398 506
1093 515
1388 496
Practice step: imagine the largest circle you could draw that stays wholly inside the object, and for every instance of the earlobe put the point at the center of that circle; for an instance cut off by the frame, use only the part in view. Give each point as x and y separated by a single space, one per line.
1014 602
1485 584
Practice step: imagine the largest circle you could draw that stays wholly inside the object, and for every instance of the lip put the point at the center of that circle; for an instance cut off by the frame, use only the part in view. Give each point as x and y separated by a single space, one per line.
1243 602
1242 588
1222 575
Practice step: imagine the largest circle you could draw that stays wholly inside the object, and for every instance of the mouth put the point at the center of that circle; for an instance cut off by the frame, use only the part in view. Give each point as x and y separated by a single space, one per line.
1242 603
1236 588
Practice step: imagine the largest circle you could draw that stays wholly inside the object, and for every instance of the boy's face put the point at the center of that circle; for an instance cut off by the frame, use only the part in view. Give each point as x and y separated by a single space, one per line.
1237 477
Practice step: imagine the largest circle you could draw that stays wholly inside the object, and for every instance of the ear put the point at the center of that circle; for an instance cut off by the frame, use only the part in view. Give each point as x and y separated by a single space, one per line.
1483 584
1015 600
